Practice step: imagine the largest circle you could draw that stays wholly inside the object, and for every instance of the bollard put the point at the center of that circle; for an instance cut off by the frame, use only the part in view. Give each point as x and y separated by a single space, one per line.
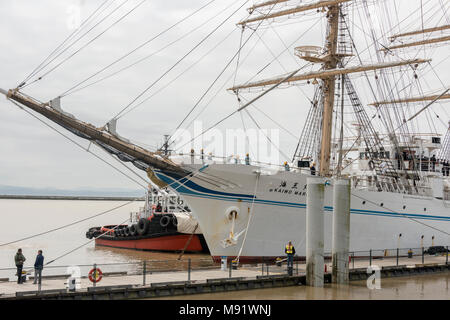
315 231
144 272
341 231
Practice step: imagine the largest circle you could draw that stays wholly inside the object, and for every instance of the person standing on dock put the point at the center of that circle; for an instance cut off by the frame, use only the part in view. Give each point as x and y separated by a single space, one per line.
290 252
38 266
19 259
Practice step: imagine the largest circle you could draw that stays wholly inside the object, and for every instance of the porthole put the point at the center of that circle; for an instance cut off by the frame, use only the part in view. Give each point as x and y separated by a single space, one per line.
404 207
364 202
424 209
381 204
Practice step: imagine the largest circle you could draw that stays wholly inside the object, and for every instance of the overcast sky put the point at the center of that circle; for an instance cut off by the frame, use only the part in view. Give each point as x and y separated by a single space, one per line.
34 155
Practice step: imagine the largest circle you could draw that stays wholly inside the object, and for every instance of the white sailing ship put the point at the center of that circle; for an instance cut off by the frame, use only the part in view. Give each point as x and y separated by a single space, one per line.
399 179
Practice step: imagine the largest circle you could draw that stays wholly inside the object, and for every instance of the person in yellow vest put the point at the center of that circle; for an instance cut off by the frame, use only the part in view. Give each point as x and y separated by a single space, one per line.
290 252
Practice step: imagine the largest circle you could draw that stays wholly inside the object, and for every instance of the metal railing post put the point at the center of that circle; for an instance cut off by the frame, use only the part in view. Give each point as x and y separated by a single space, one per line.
189 269
262 267
446 255
39 282
144 272
353 260
231 267
397 257
95 275
370 257
423 256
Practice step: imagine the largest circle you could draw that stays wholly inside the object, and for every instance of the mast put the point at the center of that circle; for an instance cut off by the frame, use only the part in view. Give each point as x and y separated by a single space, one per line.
328 87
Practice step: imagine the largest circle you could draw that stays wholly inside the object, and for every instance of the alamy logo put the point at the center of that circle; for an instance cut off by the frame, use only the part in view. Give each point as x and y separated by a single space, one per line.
262 145
374 280
73 11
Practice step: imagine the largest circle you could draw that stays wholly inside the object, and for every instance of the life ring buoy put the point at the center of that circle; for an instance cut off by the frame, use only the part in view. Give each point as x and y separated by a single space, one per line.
164 222
95 275
142 226
371 165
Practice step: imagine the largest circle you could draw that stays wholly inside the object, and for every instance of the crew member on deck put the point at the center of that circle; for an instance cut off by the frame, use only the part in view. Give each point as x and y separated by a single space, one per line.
247 159
433 162
286 166
313 169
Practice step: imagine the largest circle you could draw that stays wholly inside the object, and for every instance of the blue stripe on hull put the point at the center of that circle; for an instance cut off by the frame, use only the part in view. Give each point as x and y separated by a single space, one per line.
180 188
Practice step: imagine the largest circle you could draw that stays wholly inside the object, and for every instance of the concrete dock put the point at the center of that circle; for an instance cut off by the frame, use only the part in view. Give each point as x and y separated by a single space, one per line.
159 284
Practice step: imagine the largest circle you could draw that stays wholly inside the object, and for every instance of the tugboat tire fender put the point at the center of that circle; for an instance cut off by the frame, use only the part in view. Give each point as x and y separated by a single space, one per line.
164 222
142 226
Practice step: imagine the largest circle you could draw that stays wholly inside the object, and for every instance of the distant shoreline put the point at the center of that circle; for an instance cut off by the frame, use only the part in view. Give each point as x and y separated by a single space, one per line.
96 198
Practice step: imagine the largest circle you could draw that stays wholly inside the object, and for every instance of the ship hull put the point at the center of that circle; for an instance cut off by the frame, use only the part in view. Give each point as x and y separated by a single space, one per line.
169 243
273 206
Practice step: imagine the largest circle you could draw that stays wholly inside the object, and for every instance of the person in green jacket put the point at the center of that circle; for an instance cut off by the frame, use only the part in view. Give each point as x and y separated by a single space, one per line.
19 259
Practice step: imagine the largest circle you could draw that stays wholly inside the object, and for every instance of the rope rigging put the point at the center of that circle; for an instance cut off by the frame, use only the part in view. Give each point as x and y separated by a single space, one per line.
121 112
77 30
89 42
72 89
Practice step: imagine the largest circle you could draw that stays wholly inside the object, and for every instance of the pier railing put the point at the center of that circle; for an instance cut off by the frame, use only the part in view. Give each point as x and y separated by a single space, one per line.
154 272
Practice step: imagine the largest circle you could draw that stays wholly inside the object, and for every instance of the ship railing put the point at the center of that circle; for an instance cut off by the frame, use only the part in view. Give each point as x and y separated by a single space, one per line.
381 183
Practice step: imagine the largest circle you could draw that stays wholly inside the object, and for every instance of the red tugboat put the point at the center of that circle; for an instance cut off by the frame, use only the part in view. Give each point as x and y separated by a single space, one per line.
162 225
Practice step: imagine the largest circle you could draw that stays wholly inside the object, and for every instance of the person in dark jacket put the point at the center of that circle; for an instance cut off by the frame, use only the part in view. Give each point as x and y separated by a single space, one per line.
38 266
19 259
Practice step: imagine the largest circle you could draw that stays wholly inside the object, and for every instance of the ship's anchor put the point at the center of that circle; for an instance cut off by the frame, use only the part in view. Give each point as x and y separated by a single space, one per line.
231 213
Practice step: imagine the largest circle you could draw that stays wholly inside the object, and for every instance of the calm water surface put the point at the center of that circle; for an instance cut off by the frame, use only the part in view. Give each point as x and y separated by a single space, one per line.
22 218
427 287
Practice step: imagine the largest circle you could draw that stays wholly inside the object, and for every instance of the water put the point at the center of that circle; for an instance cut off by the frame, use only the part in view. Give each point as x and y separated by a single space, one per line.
429 287
22 218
